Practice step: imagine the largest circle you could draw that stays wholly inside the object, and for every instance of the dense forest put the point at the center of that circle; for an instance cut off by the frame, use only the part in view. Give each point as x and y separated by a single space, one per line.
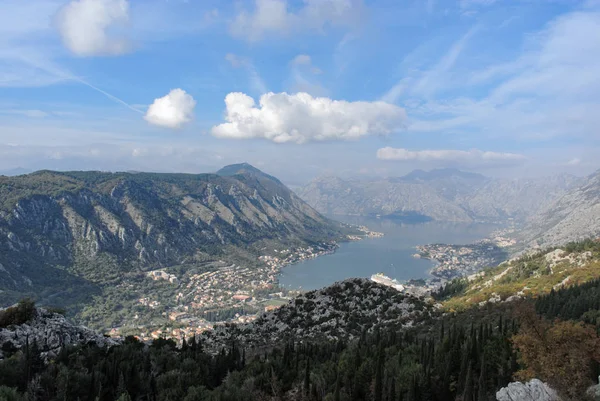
464 356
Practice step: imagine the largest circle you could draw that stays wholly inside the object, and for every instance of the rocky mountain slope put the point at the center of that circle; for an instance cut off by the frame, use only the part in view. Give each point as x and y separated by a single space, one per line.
528 276
48 332
341 311
62 234
571 217
442 194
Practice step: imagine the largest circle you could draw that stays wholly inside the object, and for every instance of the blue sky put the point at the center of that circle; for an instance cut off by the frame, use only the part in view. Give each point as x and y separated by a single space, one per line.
301 88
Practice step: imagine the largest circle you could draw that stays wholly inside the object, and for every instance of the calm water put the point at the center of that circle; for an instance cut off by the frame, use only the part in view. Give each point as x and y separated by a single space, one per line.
391 254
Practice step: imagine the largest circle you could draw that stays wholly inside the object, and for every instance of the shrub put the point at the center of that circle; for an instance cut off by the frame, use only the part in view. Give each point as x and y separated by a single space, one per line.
19 314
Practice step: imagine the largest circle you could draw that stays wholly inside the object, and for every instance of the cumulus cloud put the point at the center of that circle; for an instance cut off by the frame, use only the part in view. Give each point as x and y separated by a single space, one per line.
574 162
283 117
172 110
473 156
84 26
274 17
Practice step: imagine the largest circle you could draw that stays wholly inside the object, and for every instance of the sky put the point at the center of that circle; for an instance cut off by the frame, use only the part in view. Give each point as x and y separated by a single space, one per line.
301 88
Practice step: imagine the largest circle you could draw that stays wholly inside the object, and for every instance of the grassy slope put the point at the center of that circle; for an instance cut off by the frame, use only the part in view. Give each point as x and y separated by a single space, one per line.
532 275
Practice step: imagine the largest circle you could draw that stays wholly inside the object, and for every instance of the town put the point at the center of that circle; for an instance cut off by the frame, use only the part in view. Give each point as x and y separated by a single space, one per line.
462 260
216 293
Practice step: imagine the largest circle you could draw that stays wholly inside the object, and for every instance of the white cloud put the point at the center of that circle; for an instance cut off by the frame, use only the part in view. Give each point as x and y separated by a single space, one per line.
473 156
301 59
172 110
574 162
256 82
273 17
235 61
27 113
549 88
85 26
302 80
282 117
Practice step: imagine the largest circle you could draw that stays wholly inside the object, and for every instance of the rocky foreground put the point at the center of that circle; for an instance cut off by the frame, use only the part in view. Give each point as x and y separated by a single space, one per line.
343 310
49 332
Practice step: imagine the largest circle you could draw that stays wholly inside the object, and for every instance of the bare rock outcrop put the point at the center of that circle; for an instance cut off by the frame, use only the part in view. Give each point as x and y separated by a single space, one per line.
50 332
534 390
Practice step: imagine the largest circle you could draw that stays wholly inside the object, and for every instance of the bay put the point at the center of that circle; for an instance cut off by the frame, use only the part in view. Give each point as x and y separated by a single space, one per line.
391 254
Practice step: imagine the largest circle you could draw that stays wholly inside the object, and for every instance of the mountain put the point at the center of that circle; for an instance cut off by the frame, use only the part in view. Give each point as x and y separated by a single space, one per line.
341 311
573 216
66 236
441 194
48 330
333 195
531 275
15 171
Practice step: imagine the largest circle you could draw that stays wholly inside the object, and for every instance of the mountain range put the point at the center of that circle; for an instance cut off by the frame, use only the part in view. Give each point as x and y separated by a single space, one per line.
441 194
65 234
572 217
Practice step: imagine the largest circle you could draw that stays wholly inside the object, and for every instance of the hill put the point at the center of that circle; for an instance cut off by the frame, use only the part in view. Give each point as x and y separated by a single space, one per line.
341 311
441 194
423 355
532 275
66 237
571 217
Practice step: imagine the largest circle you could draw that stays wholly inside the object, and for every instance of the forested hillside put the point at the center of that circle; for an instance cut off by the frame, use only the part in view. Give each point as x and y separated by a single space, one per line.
465 356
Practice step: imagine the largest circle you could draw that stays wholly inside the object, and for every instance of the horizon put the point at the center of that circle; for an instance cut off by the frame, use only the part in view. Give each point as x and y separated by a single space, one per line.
352 88
291 185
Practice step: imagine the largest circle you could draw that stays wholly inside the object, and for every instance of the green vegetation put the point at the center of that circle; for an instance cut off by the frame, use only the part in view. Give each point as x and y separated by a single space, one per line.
531 275
18 314
466 356
83 240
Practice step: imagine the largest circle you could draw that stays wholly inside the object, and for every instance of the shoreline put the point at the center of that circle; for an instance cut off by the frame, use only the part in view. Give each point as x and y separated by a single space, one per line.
367 233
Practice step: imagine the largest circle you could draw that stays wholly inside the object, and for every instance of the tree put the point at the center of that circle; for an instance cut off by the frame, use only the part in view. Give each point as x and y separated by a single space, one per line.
560 353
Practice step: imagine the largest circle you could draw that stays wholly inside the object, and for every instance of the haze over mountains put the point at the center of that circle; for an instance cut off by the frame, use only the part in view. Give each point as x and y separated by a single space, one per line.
442 194
571 217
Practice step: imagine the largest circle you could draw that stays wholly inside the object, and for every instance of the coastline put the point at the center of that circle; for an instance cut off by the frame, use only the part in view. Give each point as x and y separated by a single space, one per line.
331 248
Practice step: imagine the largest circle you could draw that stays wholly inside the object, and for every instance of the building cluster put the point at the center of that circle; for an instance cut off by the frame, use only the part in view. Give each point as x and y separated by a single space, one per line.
163 275
461 260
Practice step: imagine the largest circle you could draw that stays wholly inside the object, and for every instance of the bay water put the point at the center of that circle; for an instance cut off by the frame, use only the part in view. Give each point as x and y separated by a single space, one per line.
391 254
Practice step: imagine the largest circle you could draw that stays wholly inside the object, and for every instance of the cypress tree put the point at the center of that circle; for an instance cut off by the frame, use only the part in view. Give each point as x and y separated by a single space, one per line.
468 387
379 375
307 376
482 383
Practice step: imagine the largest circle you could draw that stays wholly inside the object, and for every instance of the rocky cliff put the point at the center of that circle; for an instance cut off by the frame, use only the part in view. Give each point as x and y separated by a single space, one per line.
86 228
48 332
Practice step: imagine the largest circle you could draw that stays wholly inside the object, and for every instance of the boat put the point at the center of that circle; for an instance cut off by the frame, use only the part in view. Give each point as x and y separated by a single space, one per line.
381 278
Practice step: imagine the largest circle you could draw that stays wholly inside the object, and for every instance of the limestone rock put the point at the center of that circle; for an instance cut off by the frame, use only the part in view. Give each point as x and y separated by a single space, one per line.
534 390
51 332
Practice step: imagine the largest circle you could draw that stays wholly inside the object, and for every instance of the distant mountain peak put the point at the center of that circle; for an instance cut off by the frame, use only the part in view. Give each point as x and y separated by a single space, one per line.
244 169
441 173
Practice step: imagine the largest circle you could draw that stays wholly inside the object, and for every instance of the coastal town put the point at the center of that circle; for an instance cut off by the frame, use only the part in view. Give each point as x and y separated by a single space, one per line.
217 293
463 260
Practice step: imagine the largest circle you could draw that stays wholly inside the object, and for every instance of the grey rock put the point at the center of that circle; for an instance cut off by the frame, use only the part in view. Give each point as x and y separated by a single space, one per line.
534 390
82 227
51 332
